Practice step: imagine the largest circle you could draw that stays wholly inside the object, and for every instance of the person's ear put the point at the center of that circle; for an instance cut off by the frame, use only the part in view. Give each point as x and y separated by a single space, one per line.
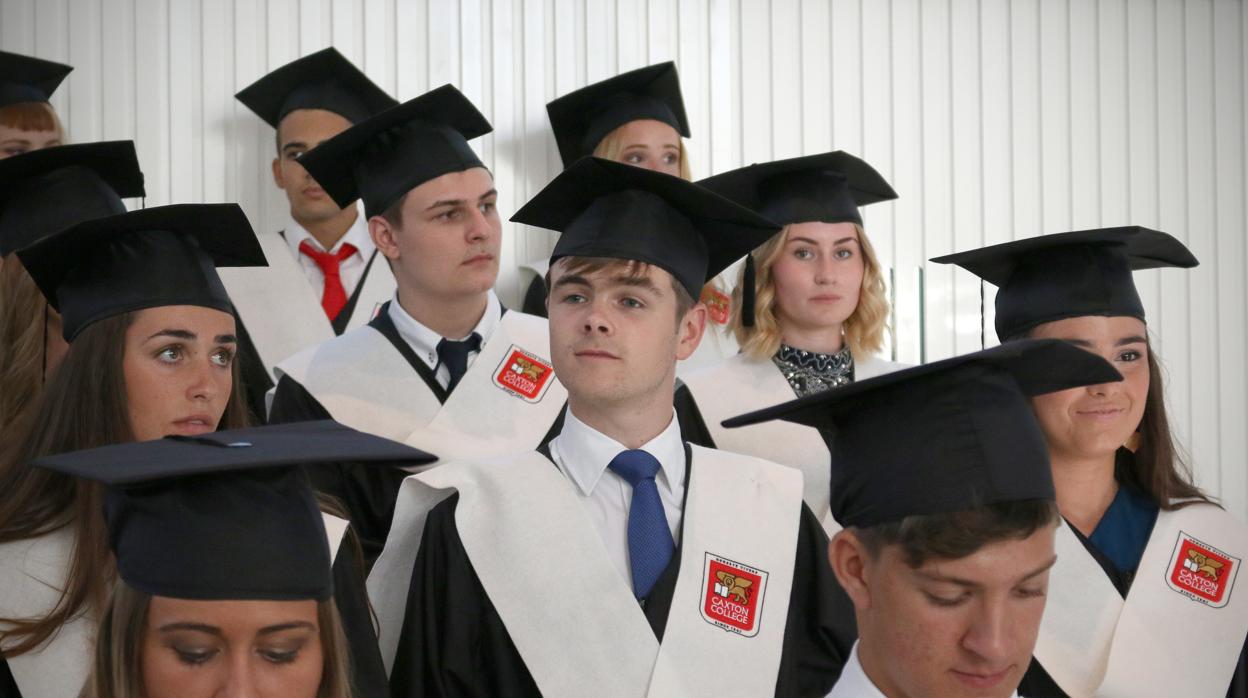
689 331
278 179
852 565
384 236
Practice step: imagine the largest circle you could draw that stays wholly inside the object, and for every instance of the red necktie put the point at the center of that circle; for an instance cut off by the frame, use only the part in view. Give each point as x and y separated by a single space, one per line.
334 297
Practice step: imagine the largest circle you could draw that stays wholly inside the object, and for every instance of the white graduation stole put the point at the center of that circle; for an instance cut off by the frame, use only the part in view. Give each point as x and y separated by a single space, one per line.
32 574
740 385
1180 630
571 615
505 402
282 311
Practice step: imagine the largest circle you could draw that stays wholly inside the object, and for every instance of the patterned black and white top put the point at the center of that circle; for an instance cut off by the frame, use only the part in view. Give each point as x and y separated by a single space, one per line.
809 372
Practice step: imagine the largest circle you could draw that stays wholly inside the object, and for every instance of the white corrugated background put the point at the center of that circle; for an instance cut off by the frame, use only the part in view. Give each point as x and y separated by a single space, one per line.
994 119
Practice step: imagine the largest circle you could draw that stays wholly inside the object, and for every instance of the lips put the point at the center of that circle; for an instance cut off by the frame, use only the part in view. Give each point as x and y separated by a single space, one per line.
1100 412
829 298
980 680
314 193
195 424
479 259
595 354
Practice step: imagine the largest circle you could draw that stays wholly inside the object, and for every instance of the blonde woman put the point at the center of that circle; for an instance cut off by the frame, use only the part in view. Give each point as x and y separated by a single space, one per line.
810 311
224 563
637 118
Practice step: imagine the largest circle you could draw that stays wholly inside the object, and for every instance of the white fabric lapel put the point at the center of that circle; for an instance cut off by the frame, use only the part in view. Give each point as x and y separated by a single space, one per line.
505 403
378 287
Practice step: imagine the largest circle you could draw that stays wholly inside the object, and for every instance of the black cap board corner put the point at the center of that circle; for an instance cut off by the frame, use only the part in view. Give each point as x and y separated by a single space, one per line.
944 437
1064 275
611 209
382 158
45 191
321 80
228 515
149 258
28 79
581 119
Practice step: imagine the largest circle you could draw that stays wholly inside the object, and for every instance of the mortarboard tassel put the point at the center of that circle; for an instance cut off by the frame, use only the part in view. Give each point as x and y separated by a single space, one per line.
747 292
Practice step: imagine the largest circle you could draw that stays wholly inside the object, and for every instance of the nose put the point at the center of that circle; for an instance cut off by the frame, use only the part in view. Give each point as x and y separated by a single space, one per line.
203 381
989 634
239 683
479 227
825 273
597 319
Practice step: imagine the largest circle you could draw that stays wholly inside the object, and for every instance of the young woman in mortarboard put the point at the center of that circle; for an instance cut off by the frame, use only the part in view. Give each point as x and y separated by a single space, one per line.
810 310
1145 548
224 563
41 193
152 342
27 121
637 118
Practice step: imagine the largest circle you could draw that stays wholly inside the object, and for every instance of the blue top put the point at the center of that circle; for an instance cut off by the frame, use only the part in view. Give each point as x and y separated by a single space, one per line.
1123 531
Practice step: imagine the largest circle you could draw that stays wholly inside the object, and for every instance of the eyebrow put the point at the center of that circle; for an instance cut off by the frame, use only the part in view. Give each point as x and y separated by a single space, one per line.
17 141
293 625
622 280
213 630
812 241
1085 344
191 336
294 144
976 585
460 202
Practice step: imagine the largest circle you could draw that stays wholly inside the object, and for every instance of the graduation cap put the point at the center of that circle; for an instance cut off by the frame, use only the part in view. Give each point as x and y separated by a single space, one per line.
28 79
827 188
948 436
611 209
226 515
1086 272
581 119
322 80
383 158
143 259
47 190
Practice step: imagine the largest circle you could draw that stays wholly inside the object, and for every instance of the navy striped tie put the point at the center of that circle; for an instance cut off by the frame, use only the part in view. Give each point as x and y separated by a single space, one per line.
650 544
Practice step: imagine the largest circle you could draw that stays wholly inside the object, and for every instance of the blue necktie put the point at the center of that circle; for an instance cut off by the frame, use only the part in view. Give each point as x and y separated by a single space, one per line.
650 544
454 355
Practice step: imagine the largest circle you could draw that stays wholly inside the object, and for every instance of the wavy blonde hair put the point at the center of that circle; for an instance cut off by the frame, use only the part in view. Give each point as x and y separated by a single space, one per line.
118 668
864 328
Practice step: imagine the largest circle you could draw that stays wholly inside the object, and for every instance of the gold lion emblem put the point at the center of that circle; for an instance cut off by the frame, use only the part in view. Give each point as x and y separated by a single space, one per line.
738 588
1209 569
527 368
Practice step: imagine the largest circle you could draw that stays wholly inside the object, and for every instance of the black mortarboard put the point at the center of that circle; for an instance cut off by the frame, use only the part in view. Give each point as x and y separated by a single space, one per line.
947 436
610 209
322 80
47 190
581 119
28 79
1087 272
383 158
827 188
143 259
228 515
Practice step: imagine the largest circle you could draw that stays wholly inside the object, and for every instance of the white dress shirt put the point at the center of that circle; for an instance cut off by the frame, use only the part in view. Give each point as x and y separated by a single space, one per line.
854 682
424 341
583 454
351 269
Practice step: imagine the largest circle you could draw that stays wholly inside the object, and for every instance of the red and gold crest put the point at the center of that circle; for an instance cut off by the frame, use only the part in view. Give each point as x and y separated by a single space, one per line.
524 374
1202 572
732 595
718 305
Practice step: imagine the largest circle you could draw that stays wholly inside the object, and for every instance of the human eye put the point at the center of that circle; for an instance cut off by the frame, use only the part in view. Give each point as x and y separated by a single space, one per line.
572 298
947 601
671 159
276 655
1031 592
1131 355
194 656
631 302
10 152
223 357
844 253
803 253
634 158
487 206
171 354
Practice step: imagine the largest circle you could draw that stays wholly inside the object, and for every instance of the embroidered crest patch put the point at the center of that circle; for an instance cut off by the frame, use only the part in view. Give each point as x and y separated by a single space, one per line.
1202 572
718 305
524 374
732 595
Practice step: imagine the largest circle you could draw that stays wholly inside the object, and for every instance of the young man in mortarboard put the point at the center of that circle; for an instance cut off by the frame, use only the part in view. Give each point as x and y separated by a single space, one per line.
442 365
940 476
325 274
619 560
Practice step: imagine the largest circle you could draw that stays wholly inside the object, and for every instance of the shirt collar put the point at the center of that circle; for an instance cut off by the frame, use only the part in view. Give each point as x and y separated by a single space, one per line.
586 452
424 341
357 235
854 682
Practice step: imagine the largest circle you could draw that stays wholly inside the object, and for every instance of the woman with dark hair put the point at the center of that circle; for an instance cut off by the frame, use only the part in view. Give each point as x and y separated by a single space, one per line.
1145 551
41 193
152 342
810 311
224 563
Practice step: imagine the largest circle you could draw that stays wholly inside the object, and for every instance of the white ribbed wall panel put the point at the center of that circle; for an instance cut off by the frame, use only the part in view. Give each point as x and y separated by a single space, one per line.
994 119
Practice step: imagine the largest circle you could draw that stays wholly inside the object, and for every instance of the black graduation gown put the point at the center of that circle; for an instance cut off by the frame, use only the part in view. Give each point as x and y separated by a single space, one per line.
255 379
8 687
366 492
453 642
692 426
1036 681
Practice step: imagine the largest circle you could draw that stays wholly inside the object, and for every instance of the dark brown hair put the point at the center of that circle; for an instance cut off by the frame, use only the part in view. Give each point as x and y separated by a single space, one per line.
31 116
629 268
83 406
1157 468
955 535
22 333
